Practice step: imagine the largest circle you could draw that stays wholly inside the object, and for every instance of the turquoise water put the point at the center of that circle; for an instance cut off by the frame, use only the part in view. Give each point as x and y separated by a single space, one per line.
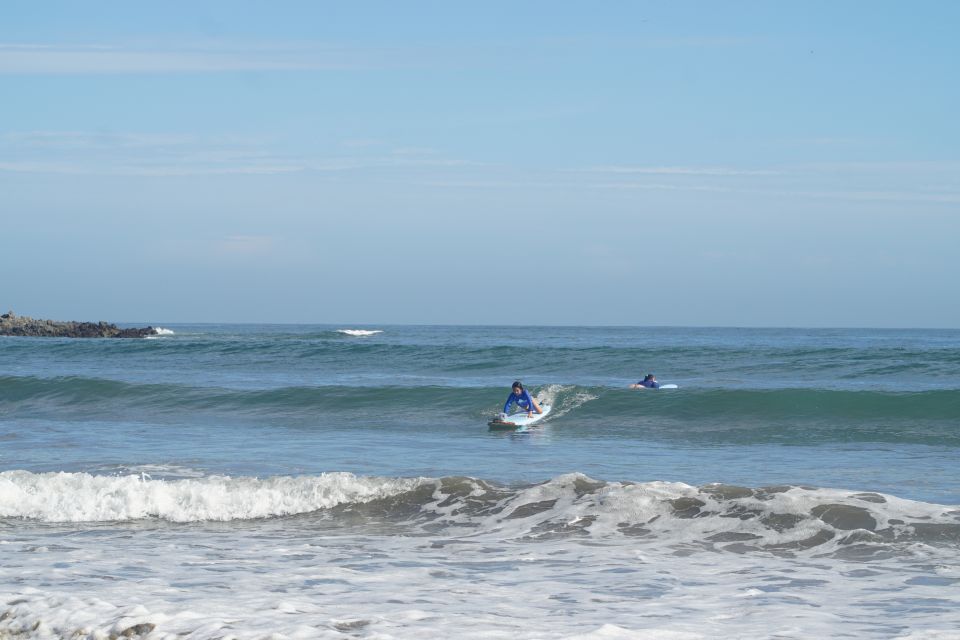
298 482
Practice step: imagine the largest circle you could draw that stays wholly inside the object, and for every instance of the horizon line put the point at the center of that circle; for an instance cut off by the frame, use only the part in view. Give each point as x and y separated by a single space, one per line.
554 326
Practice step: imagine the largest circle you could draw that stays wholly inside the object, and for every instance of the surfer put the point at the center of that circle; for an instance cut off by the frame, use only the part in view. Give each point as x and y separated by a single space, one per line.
521 397
649 382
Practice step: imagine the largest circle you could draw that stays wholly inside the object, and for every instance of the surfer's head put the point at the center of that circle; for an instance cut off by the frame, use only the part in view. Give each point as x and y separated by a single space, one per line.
649 376
517 386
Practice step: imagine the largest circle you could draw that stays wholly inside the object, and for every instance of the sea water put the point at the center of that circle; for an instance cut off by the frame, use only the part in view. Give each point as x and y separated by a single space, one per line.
241 481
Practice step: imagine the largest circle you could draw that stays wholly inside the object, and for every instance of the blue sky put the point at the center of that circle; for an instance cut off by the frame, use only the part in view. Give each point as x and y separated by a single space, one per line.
682 163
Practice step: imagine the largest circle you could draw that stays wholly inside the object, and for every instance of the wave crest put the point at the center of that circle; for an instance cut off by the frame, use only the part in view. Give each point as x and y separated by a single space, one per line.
783 519
81 497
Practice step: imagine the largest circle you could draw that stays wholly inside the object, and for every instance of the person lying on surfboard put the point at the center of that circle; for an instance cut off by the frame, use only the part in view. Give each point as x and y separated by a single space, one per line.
649 382
521 397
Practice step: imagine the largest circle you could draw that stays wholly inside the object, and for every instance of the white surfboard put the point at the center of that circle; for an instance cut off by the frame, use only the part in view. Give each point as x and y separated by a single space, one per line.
663 386
519 420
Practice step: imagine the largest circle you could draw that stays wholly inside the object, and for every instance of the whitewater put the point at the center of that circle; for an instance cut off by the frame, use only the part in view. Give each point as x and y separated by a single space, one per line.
246 481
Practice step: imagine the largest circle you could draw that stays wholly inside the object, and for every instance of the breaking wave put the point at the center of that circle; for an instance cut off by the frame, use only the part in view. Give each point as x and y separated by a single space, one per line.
360 333
787 519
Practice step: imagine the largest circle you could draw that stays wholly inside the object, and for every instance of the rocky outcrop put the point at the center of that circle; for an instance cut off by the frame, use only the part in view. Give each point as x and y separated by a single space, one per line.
13 325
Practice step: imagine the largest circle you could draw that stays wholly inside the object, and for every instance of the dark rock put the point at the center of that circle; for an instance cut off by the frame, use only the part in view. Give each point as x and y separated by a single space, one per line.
14 325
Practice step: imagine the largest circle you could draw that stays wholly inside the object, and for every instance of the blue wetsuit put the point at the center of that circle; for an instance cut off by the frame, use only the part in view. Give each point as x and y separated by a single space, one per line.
524 401
649 384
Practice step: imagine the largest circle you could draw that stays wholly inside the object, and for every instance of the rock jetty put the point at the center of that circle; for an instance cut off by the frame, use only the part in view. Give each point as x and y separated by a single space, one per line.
13 325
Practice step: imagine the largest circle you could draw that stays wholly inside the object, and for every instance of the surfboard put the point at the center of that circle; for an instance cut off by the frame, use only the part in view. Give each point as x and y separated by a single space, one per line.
518 420
663 386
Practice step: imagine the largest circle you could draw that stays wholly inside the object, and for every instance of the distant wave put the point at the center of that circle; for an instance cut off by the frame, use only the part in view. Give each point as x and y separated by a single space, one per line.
359 332
784 518
432 355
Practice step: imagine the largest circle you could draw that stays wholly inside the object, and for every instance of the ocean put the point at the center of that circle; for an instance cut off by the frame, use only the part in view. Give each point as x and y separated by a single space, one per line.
288 481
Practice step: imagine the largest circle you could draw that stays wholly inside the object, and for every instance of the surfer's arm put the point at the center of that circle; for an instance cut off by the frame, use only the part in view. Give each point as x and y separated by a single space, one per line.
506 405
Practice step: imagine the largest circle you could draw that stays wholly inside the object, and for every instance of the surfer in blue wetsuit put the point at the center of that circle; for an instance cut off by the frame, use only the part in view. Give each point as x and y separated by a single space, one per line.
649 382
521 397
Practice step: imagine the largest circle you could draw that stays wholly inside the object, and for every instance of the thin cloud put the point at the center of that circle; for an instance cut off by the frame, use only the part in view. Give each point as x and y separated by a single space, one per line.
882 196
362 143
920 166
495 184
89 140
381 162
925 195
100 59
44 167
220 56
698 42
851 195
138 154
823 141
414 151
682 171
88 169
245 245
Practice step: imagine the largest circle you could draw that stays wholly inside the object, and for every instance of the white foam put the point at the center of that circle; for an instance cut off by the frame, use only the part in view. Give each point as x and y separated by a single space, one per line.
550 392
270 580
719 522
81 497
185 496
613 632
160 331
495 574
359 332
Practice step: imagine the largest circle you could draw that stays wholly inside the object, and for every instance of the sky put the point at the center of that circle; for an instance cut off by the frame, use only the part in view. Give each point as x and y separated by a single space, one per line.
792 164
